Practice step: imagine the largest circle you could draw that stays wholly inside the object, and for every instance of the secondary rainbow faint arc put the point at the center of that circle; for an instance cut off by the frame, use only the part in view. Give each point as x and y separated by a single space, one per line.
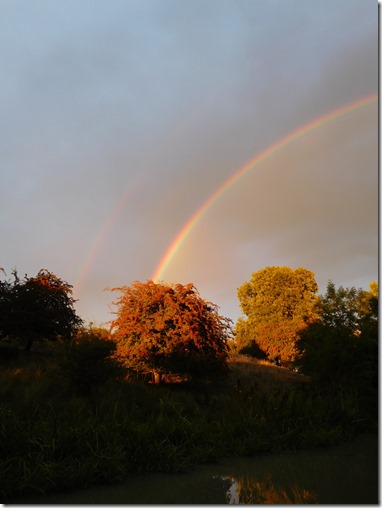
260 157
102 235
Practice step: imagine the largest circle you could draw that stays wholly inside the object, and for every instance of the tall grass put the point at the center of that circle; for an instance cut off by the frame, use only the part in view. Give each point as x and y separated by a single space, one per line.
53 438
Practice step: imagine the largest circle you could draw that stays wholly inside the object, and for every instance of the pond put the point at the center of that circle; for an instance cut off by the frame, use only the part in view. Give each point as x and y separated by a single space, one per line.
344 474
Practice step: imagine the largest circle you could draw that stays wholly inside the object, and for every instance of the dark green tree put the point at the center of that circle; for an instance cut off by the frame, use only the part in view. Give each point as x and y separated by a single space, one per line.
340 350
5 305
37 308
341 307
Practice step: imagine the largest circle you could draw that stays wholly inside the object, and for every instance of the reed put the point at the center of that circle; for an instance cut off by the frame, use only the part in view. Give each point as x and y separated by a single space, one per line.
54 438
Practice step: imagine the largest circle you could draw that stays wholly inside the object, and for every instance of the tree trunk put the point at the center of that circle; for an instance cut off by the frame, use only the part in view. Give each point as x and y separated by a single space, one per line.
157 377
28 345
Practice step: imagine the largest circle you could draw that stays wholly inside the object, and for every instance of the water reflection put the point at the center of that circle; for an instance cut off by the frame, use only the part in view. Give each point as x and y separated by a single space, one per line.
347 474
249 490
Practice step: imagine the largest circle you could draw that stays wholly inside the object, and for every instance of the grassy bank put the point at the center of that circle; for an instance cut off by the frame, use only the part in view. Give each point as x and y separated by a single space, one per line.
53 437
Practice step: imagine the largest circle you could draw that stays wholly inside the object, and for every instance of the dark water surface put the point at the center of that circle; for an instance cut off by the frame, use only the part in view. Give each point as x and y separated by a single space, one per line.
345 474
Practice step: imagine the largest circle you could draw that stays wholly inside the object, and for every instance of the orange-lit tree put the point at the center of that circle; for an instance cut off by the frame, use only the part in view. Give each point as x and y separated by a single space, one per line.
163 329
279 303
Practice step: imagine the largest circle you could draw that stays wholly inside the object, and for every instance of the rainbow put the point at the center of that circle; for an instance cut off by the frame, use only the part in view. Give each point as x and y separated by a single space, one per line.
100 240
258 159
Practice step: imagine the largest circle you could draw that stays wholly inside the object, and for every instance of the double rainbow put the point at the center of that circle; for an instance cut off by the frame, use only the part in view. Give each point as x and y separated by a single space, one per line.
182 235
185 231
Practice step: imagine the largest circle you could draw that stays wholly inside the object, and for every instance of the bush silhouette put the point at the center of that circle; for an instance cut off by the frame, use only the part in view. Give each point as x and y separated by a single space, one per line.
89 361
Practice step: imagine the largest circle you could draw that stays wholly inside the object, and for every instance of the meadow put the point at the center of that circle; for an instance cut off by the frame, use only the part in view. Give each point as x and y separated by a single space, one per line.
55 436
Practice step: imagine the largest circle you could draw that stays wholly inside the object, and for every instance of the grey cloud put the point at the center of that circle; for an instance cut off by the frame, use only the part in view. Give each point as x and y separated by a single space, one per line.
166 100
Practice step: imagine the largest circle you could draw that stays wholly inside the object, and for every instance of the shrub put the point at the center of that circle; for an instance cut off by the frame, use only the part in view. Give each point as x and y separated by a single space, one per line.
89 361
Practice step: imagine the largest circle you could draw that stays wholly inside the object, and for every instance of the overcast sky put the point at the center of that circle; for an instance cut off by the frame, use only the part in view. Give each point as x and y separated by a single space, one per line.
120 118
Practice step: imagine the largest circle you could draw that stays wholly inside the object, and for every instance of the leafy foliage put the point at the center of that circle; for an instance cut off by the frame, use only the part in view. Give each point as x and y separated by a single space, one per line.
341 349
279 302
89 361
169 329
37 308
341 307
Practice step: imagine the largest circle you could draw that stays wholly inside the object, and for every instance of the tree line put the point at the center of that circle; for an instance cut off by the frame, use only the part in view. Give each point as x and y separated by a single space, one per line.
332 338
171 331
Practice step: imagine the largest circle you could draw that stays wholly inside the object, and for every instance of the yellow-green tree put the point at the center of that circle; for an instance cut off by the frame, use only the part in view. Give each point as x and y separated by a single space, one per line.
279 303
